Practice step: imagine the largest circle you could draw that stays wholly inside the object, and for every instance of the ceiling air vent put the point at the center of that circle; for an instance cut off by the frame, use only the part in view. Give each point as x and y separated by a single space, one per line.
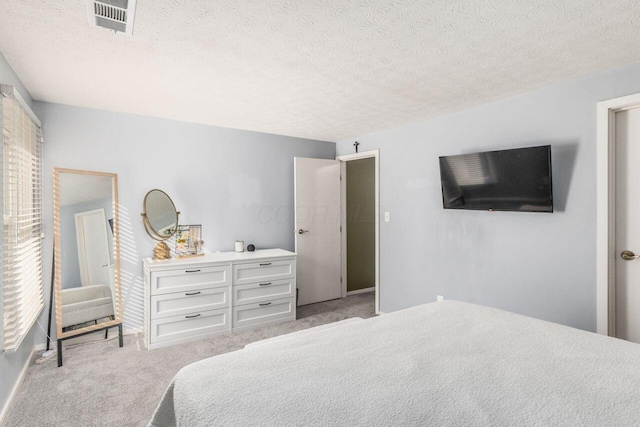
115 15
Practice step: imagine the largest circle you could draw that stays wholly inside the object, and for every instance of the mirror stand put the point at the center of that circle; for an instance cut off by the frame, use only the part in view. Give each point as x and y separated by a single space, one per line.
106 335
59 340
161 251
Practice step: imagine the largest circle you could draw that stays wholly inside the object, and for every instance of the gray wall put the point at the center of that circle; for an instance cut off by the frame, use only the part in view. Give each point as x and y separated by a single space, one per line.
230 181
361 221
70 265
11 364
542 265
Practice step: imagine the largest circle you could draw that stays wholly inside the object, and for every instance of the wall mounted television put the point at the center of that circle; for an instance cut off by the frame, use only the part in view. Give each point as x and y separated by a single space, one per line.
506 180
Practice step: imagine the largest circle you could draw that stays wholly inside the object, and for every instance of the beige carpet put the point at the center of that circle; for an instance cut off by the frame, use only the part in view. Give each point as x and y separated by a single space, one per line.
103 385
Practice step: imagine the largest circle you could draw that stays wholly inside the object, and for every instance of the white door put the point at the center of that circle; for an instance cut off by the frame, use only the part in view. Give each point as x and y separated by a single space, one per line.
627 291
93 247
317 229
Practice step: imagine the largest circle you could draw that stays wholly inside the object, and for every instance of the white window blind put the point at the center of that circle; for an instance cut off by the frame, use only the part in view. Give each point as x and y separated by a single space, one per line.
22 211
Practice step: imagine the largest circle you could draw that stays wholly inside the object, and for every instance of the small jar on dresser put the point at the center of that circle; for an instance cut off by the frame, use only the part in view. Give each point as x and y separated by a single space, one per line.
193 298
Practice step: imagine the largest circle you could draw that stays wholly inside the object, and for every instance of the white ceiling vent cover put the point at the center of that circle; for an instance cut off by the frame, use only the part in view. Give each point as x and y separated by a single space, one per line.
114 15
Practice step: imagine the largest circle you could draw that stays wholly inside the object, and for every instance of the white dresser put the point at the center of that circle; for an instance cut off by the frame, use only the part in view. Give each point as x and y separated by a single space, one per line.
192 298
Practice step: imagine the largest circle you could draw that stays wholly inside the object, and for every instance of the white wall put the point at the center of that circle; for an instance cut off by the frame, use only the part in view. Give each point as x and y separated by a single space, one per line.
12 364
237 184
542 265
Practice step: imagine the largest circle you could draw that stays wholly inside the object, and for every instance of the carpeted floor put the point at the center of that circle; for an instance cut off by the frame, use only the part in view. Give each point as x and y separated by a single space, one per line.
103 385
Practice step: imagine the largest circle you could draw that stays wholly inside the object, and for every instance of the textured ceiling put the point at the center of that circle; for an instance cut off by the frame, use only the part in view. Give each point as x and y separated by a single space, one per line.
322 69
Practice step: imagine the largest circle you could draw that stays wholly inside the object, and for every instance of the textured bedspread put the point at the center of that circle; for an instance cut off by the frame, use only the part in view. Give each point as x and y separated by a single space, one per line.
448 363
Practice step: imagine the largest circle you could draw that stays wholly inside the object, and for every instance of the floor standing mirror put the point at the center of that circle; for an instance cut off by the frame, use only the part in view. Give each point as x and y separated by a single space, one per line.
86 254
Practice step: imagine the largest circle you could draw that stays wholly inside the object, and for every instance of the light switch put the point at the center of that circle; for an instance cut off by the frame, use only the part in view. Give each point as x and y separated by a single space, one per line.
386 217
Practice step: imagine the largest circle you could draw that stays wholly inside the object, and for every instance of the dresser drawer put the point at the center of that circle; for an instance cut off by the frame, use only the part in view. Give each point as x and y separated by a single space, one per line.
263 271
176 327
166 305
264 291
189 279
250 314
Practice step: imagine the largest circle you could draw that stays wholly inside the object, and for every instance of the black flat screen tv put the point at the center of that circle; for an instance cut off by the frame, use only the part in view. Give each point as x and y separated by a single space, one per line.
506 180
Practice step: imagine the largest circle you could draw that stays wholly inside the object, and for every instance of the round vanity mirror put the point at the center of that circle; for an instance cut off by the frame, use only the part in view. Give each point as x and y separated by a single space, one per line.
160 219
161 214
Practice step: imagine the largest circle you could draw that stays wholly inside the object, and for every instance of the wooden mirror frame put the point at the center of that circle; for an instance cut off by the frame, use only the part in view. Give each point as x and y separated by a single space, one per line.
58 254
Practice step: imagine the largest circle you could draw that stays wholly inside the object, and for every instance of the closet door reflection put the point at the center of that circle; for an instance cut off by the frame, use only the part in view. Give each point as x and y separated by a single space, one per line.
95 254
87 287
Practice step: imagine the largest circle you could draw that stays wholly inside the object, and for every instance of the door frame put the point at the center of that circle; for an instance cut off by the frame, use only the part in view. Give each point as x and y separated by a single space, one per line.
343 218
605 207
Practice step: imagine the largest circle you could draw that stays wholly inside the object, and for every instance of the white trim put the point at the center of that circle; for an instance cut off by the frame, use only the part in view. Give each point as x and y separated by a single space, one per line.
358 156
362 291
605 207
18 383
345 158
133 331
343 228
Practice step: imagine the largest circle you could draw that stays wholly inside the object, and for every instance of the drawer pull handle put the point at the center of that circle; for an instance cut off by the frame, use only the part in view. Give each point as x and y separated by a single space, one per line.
192 316
266 303
192 271
266 263
265 284
193 293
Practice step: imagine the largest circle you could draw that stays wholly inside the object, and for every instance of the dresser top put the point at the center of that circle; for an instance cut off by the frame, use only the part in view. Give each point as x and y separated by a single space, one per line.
221 257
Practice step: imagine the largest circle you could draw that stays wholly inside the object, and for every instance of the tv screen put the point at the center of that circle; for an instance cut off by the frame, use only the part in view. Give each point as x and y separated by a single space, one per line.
505 180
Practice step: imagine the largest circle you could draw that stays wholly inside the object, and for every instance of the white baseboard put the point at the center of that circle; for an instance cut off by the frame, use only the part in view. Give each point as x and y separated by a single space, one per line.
362 291
133 331
16 386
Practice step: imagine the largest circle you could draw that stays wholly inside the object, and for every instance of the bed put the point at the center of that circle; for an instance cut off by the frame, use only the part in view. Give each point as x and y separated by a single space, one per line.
448 363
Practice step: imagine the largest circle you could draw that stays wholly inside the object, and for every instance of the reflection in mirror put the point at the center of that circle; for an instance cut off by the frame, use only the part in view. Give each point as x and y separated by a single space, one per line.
161 213
87 285
86 231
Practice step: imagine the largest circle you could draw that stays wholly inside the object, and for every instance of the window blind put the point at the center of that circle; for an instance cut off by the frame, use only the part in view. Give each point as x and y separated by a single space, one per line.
22 213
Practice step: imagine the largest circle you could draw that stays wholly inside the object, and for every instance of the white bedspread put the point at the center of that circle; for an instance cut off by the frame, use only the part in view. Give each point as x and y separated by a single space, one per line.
449 364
